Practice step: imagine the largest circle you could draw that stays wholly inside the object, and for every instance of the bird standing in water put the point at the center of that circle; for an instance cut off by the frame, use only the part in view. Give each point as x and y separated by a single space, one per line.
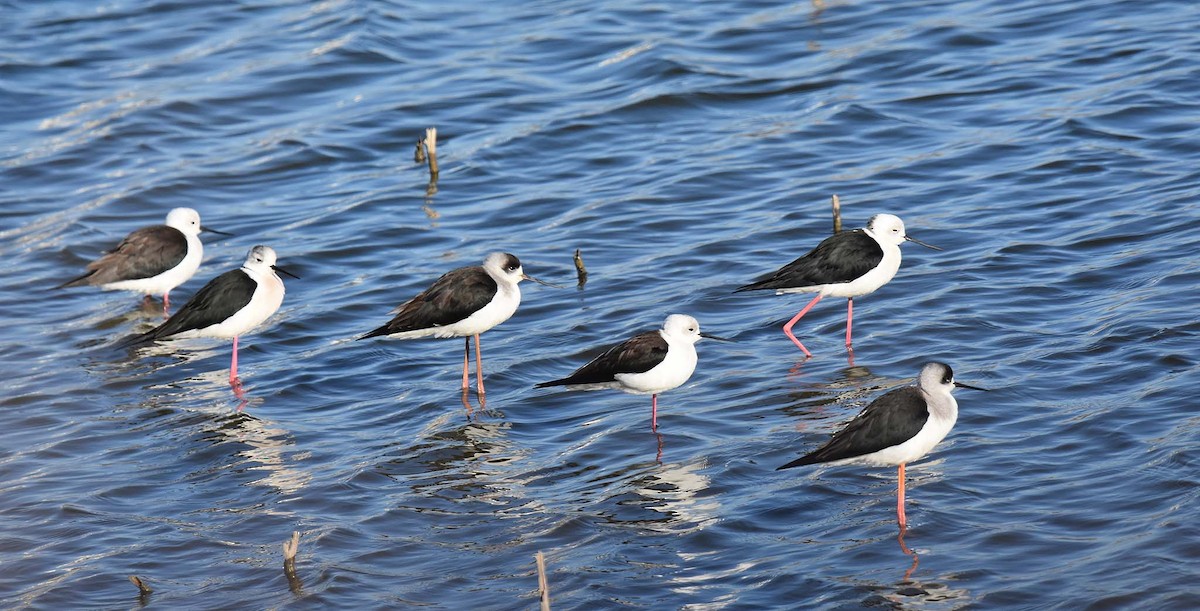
895 429
847 264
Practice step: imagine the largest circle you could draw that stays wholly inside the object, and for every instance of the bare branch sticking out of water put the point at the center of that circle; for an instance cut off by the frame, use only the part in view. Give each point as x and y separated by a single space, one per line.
289 563
291 547
431 150
543 586
143 589
837 214
580 270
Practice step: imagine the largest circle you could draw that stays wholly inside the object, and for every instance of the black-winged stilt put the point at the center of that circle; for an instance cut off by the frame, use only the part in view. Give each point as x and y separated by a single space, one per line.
895 429
647 363
151 260
463 302
228 306
847 264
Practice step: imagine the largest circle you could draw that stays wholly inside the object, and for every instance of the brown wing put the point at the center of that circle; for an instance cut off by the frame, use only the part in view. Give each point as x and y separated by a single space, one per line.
145 253
458 294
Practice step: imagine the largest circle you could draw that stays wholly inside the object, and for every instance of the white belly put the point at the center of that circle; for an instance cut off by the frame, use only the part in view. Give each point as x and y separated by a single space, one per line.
923 443
164 282
265 302
864 284
672 372
500 309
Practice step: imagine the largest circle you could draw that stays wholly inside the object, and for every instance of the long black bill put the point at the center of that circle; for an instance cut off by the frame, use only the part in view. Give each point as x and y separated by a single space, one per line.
961 385
720 339
912 239
543 282
211 230
284 271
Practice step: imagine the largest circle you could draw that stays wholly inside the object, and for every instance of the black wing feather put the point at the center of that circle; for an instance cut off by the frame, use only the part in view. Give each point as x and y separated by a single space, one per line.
145 253
453 297
838 258
638 354
888 421
221 298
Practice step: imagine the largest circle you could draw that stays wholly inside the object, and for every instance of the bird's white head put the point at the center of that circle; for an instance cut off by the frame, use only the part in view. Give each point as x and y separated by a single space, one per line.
682 326
889 229
504 268
938 378
185 220
260 258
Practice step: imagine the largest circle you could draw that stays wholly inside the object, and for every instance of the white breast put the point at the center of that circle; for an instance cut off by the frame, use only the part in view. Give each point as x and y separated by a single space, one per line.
672 372
268 296
500 309
164 282
870 281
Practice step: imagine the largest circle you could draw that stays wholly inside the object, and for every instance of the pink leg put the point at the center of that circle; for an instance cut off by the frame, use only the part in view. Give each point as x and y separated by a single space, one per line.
478 367
900 501
654 412
233 365
166 304
849 318
466 359
787 329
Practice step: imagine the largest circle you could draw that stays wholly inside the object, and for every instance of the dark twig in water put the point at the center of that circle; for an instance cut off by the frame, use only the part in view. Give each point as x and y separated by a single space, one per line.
419 154
837 214
143 589
543 585
580 270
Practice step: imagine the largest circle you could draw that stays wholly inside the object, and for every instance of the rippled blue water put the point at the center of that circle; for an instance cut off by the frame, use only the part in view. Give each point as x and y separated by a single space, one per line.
1049 147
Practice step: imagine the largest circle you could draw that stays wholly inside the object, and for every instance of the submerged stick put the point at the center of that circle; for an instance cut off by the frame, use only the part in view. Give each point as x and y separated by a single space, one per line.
543 586
143 589
837 214
580 270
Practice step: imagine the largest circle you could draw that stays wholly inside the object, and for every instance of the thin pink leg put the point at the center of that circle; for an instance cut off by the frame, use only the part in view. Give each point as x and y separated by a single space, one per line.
233 365
900 501
654 412
849 318
166 304
787 329
478 367
466 359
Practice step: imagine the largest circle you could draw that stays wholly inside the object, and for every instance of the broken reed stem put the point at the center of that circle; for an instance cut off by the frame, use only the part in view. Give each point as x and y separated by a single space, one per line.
837 214
143 589
290 547
431 149
543 586
580 270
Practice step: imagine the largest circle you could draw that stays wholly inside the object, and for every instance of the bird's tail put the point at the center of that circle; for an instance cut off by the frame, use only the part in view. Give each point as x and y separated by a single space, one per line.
138 339
755 286
376 333
80 281
803 460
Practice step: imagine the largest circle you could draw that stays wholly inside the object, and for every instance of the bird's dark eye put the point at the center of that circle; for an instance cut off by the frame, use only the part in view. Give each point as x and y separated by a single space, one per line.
512 268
